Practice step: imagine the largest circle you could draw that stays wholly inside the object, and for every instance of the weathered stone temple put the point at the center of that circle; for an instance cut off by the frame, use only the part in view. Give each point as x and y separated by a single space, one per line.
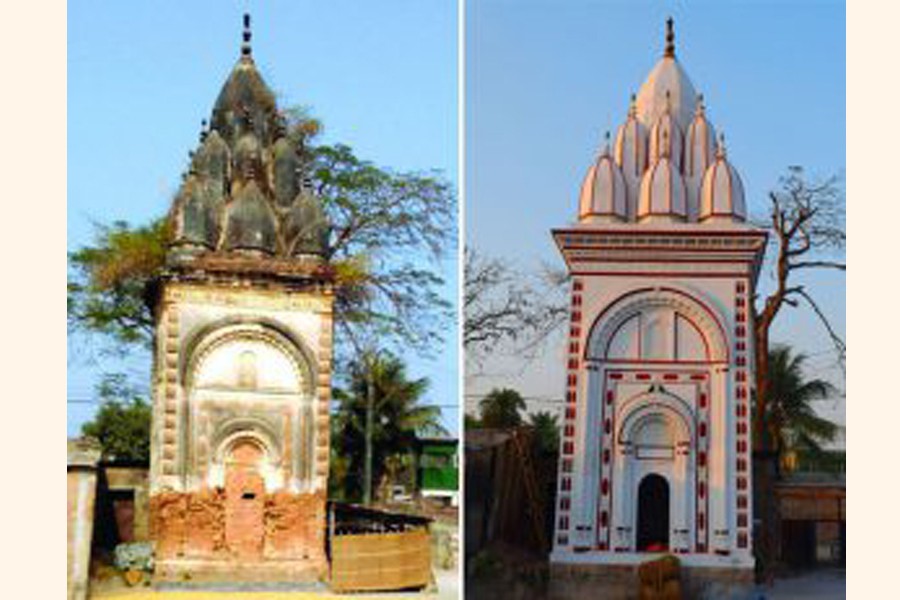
243 355
655 453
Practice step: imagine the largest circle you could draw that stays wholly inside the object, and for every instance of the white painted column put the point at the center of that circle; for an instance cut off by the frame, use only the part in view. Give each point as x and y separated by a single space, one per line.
720 457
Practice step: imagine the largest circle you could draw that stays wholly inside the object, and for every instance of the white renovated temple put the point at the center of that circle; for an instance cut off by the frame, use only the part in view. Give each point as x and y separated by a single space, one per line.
656 451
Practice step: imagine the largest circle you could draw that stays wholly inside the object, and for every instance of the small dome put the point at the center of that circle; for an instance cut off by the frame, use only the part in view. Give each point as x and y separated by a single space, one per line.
630 152
667 78
722 193
307 226
197 212
213 162
666 137
244 95
250 223
699 152
284 172
247 157
603 196
699 143
631 146
663 195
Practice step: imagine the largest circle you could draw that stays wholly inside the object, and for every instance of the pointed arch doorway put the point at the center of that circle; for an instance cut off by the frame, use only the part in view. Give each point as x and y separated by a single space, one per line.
653 514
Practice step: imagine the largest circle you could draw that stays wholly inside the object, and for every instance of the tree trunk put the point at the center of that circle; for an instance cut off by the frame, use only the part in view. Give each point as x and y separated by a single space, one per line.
370 421
764 471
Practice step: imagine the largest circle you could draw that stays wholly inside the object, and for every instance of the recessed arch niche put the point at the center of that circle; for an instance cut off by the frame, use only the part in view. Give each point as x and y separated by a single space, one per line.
657 325
249 382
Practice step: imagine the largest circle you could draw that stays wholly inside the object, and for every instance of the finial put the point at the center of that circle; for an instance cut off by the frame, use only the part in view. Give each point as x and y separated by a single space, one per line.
700 110
203 131
245 46
720 147
632 107
670 38
605 151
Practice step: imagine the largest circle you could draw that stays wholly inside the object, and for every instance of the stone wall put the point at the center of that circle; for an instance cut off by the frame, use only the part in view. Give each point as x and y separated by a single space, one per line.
81 482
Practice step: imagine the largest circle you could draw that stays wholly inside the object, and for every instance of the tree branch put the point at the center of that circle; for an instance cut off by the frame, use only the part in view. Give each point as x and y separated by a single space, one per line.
827 264
839 344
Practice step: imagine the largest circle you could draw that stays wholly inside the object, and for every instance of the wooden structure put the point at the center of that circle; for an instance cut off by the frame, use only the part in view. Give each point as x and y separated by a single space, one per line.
381 561
509 491
812 522
378 551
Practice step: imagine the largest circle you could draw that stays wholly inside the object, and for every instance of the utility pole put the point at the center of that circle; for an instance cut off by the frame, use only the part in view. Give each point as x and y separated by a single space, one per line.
370 423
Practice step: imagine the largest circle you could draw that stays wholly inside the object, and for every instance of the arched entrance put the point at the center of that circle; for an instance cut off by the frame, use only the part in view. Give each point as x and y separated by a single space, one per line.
244 501
653 514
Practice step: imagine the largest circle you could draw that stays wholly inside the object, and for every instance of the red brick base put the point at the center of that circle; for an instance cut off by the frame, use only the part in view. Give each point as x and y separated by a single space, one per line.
193 538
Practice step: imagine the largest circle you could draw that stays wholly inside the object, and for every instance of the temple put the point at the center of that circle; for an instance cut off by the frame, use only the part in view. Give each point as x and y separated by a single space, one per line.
656 451
243 352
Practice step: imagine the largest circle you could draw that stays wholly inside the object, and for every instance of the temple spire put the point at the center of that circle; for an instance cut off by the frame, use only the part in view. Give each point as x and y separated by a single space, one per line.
670 38
246 50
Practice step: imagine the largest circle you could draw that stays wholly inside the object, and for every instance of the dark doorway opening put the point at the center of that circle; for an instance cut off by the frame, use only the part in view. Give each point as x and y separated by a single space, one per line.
653 514
123 509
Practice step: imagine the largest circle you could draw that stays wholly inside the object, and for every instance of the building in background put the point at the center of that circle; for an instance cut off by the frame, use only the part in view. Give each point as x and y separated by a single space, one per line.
239 451
437 466
655 452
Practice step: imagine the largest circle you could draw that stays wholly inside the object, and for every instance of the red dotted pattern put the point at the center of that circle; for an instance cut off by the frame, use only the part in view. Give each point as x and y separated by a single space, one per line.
742 428
700 381
568 442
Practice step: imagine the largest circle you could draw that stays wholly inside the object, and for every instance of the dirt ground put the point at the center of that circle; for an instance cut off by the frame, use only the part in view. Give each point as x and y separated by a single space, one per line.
818 585
447 589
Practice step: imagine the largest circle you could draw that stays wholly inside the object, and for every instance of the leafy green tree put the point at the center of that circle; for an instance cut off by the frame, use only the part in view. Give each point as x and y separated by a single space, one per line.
397 417
500 409
109 279
471 422
122 424
389 233
791 420
546 431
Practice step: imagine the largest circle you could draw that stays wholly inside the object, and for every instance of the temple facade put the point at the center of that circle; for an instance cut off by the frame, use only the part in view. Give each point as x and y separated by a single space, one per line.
243 353
656 450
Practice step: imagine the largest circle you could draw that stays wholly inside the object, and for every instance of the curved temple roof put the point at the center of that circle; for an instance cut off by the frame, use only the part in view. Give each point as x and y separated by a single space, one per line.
667 133
243 192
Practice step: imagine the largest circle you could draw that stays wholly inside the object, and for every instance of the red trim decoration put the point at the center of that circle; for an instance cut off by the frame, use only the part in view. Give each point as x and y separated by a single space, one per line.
741 396
700 382
568 441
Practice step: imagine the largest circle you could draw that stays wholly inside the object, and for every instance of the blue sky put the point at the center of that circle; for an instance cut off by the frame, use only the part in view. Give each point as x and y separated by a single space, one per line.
141 76
546 79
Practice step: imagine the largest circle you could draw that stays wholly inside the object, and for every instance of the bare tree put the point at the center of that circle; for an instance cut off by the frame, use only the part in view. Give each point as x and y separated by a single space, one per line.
806 224
504 307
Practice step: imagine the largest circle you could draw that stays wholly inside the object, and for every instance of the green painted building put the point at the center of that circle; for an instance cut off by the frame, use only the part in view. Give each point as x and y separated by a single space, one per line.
437 471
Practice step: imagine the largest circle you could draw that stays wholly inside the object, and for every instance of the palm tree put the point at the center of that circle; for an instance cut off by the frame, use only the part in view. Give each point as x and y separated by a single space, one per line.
398 418
791 421
500 409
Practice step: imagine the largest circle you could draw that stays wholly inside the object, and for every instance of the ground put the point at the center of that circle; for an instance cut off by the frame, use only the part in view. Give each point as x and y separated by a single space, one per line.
447 589
816 585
